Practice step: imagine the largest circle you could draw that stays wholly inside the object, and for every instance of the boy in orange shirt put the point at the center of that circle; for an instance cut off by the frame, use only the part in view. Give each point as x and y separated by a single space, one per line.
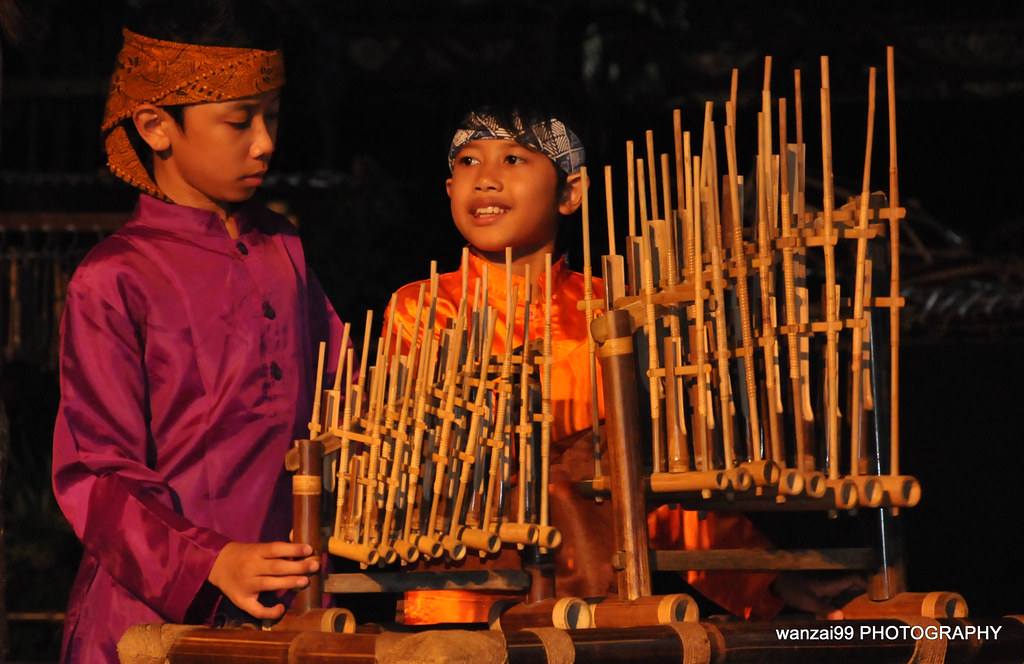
515 177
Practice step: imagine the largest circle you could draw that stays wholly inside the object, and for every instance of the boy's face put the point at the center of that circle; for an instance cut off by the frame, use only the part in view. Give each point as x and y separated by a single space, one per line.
220 154
505 195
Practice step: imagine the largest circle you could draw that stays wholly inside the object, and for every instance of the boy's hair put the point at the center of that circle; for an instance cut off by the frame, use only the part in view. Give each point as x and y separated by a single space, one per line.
235 23
181 53
532 128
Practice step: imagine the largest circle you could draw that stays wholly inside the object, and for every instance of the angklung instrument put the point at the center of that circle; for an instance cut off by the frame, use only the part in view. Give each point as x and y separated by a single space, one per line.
761 348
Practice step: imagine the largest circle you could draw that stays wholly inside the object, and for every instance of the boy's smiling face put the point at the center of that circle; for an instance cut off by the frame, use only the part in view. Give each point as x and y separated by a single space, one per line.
221 154
505 195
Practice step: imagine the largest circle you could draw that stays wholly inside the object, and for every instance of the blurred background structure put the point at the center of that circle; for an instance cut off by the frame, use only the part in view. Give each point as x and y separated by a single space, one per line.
374 91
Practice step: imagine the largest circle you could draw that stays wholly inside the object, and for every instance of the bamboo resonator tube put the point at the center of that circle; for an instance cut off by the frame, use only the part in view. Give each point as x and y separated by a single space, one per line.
614 335
306 489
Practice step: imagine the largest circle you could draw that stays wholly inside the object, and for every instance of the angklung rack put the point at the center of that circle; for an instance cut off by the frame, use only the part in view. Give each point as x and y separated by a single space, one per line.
762 379
422 457
762 349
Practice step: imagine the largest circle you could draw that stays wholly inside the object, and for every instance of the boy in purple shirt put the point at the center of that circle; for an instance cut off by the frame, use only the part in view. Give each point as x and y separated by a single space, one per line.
188 345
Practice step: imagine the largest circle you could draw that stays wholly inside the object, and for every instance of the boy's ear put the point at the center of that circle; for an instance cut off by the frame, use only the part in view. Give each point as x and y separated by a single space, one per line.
448 187
151 122
572 198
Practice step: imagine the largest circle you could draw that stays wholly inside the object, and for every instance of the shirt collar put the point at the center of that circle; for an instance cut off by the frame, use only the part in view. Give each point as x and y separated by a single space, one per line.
182 219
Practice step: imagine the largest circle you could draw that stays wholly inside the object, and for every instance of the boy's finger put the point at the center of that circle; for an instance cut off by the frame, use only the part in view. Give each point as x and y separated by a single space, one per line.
257 610
283 567
287 550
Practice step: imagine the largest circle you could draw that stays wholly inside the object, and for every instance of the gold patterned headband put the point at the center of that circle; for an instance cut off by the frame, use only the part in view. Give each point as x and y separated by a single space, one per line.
164 73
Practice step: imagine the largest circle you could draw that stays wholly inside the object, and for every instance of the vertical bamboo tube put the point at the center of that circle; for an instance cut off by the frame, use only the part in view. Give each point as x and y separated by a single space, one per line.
306 487
588 295
614 335
739 273
894 274
831 300
858 457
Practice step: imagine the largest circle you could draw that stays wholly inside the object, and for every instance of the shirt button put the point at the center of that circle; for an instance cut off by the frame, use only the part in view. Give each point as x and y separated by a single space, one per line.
242 248
268 311
275 371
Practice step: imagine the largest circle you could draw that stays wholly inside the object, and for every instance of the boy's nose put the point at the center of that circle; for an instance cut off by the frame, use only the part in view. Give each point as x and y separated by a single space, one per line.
486 181
263 141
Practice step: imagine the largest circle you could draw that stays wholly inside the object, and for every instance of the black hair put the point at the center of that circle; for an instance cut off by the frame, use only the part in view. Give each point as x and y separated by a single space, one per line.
236 23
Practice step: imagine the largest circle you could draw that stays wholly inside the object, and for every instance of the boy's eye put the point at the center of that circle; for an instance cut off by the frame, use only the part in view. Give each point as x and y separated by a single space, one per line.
515 159
240 124
468 161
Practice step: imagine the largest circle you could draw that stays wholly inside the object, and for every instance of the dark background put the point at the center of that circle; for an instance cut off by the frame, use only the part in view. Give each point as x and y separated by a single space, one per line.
374 91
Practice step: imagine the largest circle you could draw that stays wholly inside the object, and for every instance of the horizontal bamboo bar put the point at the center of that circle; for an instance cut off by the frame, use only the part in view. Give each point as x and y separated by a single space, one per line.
766 559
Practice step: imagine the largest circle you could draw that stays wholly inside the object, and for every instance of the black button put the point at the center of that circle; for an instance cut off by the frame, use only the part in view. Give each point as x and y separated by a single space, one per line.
244 249
275 371
268 311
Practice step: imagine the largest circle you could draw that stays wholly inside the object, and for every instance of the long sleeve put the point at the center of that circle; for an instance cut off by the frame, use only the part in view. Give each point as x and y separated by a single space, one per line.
123 511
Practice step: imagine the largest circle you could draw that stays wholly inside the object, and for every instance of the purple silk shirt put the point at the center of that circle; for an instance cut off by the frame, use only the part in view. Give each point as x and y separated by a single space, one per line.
187 370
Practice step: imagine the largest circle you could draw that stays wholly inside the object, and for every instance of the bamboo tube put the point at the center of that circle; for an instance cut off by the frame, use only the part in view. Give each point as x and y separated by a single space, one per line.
718 314
345 448
800 265
697 480
831 300
561 613
473 437
361 553
525 430
894 274
651 610
631 265
678 454
398 466
545 432
789 284
613 332
449 387
704 417
334 620
681 163
314 420
427 365
588 295
858 455
375 409
739 273
929 605
765 229
612 268
657 441
652 176
306 489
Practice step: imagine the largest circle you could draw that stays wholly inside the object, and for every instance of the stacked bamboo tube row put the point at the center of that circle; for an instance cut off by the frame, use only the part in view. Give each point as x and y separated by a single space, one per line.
744 374
439 446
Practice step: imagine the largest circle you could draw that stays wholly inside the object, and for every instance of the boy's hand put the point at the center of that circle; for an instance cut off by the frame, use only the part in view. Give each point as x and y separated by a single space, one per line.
242 571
